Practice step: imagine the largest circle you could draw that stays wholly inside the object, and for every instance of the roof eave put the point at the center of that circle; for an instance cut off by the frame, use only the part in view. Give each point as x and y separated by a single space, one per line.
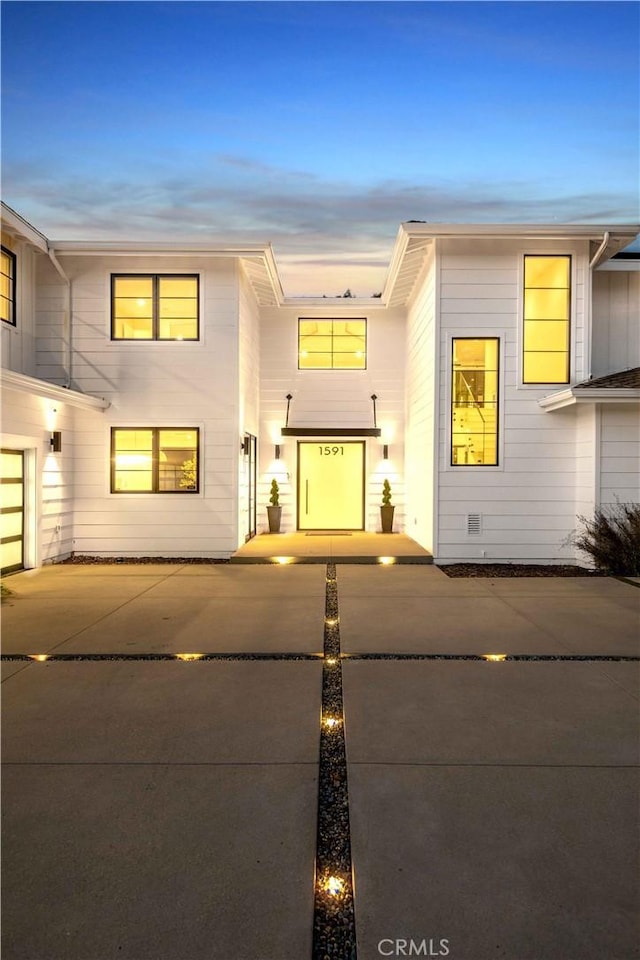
142 248
13 223
567 398
51 391
538 231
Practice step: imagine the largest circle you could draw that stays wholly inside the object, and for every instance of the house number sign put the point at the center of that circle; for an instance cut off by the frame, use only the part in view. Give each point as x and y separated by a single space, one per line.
331 451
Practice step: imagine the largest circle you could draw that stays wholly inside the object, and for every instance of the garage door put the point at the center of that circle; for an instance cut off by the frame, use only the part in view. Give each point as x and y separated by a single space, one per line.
12 510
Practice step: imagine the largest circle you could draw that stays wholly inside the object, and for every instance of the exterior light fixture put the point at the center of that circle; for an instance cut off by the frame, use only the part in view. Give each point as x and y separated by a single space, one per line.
331 622
494 657
189 656
277 451
385 451
244 446
56 441
40 657
333 886
283 560
331 722
386 561
331 661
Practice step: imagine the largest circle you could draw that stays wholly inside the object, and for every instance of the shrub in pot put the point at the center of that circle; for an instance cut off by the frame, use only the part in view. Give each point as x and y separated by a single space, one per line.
274 510
387 508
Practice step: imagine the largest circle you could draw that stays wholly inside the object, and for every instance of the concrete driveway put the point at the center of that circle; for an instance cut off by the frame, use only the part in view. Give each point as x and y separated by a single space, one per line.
162 809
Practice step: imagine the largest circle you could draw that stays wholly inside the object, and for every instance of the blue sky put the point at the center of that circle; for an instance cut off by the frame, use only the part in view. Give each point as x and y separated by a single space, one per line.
318 126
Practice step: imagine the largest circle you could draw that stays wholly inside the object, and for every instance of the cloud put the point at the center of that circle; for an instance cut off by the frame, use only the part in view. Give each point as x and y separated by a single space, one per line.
315 225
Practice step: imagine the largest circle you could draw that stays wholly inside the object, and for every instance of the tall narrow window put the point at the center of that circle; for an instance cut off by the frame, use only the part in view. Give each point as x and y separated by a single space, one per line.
154 460
474 402
154 307
332 344
8 286
547 306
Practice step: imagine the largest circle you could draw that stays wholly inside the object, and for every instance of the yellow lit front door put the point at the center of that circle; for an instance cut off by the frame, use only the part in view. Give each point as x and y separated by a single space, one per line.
331 485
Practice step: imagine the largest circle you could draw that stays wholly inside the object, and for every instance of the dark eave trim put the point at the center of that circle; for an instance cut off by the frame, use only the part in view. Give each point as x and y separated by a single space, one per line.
331 432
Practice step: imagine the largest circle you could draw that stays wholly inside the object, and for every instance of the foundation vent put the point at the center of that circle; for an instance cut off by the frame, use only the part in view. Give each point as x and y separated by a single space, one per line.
474 524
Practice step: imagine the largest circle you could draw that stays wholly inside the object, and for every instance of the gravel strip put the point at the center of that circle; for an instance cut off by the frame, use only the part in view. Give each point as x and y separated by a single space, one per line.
186 657
588 657
516 570
85 560
334 930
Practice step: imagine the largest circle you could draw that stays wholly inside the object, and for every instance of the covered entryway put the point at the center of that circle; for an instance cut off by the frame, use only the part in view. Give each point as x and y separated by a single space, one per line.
331 483
12 510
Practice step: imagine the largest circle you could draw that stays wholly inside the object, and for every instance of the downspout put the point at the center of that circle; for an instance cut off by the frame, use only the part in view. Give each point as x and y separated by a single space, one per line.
603 246
589 332
66 316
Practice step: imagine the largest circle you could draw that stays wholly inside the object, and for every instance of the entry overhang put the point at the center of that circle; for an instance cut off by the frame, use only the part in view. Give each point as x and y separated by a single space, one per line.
331 432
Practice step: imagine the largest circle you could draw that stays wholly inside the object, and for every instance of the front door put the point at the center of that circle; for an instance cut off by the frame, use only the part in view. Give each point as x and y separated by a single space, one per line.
12 511
331 485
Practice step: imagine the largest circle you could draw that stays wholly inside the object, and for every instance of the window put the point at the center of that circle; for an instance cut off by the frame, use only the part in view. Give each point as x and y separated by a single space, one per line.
332 344
152 307
154 459
547 306
474 402
8 286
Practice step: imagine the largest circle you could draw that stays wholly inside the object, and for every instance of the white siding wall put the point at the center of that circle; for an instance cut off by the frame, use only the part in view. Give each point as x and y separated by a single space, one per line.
527 503
27 423
420 409
18 343
52 325
587 467
616 321
157 384
249 391
619 453
334 398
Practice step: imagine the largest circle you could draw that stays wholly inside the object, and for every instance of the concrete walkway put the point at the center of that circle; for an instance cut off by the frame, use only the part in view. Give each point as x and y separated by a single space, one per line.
156 809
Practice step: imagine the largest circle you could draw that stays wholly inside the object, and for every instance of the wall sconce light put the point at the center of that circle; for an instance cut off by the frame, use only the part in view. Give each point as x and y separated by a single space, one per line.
385 451
56 441
277 451
244 446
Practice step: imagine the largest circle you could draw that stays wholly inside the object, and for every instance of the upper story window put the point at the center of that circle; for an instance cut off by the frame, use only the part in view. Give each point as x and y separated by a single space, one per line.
547 319
154 459
8 286
474 402
332 344
154 307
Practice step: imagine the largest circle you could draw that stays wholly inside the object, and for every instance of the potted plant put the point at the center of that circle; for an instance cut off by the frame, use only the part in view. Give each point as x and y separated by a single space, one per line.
274 511
387 508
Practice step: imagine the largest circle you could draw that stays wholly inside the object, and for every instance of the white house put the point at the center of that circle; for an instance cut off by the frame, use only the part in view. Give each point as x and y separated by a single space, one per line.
151 391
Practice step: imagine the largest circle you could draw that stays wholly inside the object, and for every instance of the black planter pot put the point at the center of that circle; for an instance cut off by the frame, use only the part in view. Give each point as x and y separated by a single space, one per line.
386 516
274 514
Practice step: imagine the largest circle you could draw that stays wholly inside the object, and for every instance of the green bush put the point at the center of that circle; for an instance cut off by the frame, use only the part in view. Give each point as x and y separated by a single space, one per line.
386 493
274 499
612 539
